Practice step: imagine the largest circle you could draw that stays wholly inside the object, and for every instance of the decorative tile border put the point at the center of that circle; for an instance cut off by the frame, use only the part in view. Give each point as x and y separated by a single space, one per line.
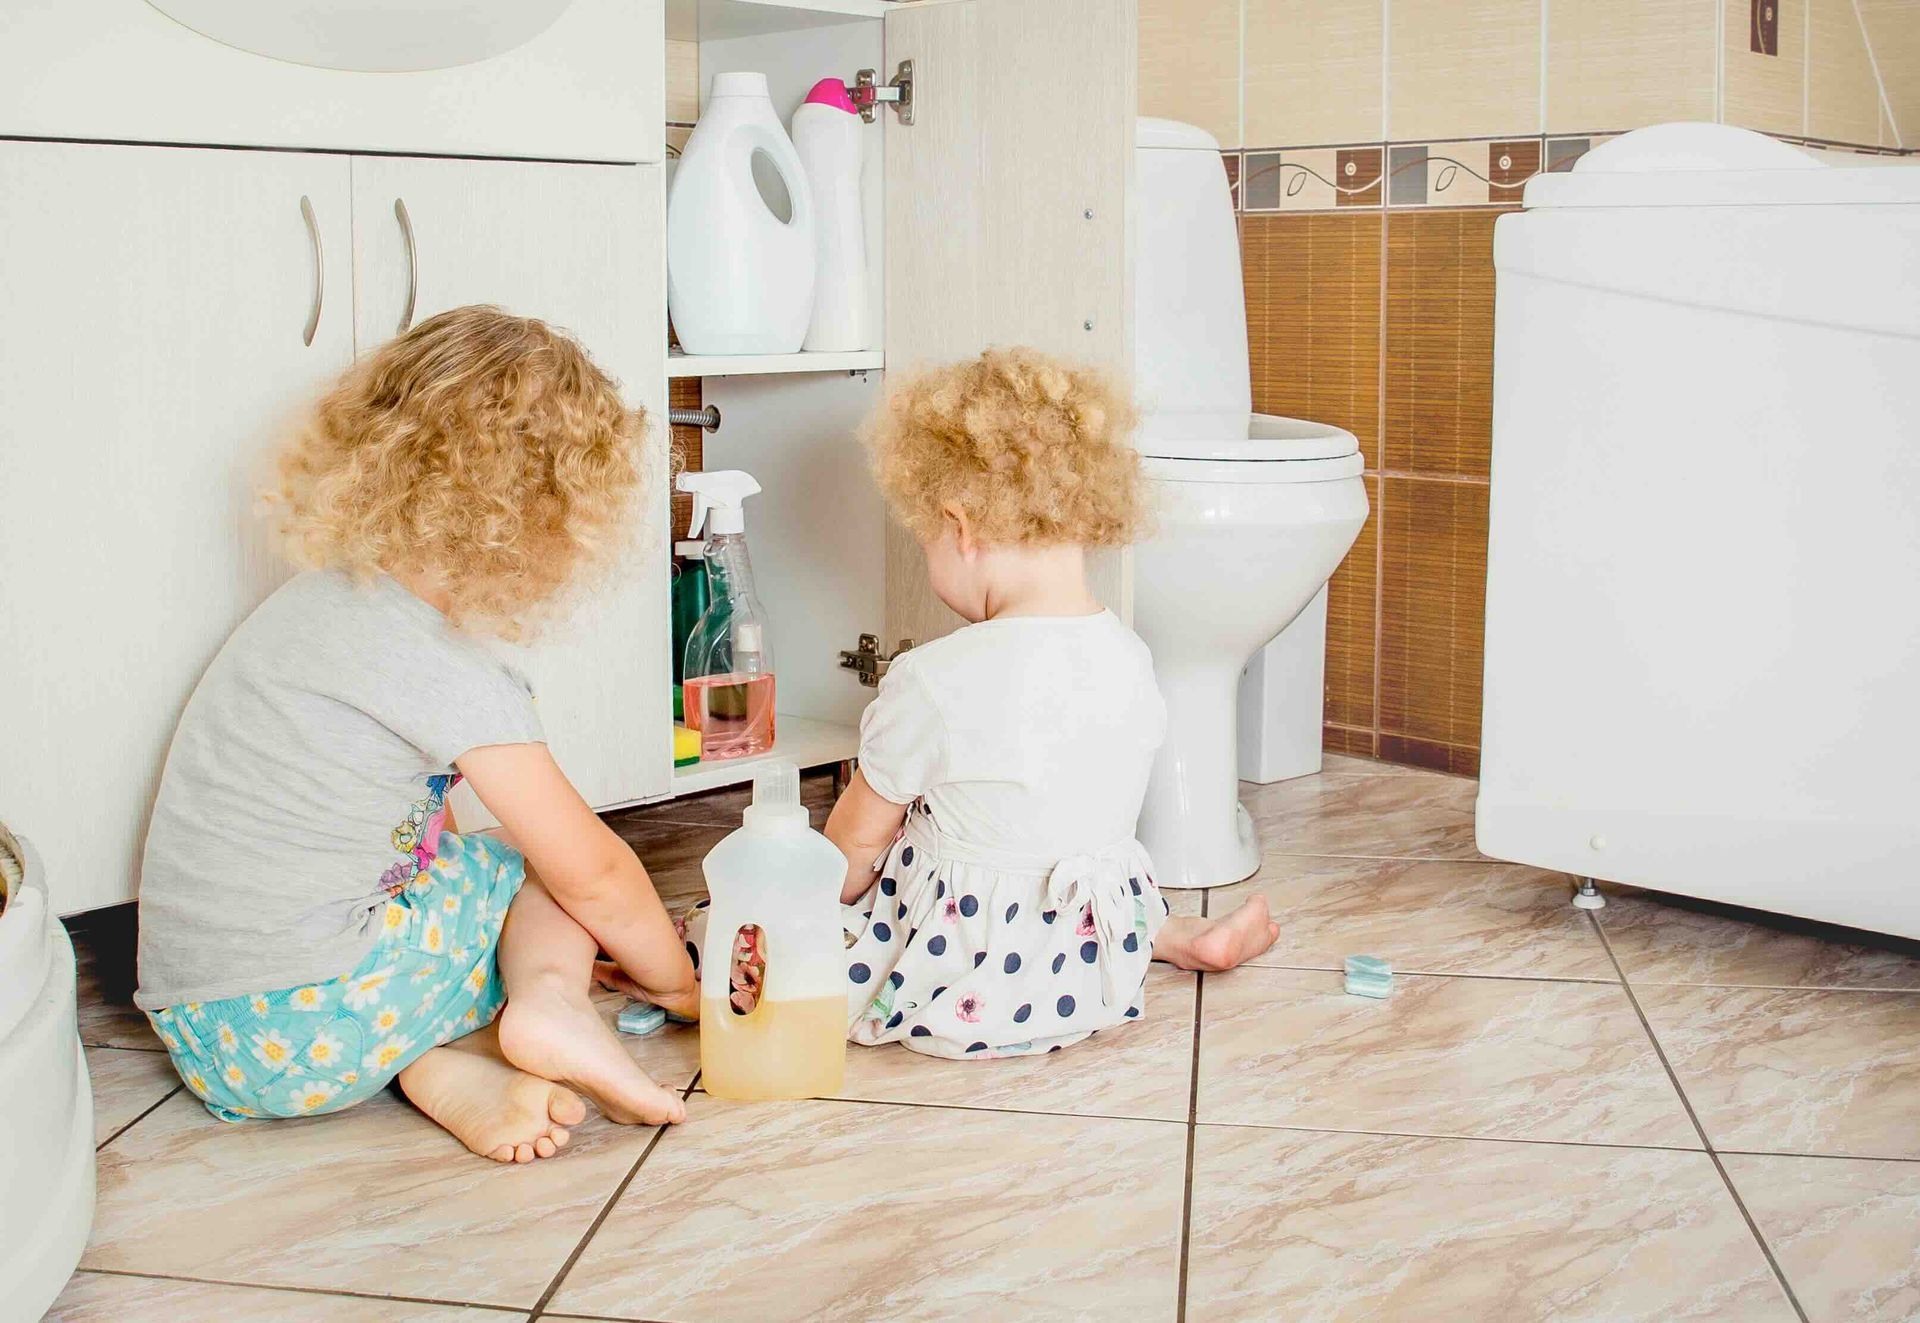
1476 172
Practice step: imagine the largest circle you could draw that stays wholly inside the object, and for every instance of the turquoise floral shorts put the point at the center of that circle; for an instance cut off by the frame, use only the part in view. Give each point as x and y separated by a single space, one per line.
430 978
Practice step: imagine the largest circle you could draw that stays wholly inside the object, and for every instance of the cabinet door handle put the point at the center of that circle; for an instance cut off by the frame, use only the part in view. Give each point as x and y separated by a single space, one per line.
319 270
413 262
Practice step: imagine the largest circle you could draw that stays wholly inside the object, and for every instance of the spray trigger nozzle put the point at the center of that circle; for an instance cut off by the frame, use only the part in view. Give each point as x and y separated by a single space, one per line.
716 499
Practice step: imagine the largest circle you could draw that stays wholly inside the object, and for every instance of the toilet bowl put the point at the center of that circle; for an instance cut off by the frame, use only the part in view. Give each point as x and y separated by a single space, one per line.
1252 513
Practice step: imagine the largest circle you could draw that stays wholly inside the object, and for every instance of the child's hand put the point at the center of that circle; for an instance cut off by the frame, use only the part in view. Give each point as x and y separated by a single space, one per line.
684 1002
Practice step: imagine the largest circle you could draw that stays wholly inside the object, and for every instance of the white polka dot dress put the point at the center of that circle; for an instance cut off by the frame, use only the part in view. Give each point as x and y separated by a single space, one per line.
963 952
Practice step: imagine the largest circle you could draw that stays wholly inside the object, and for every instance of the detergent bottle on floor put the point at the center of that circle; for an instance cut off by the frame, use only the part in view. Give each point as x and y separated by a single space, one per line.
776 882
727 673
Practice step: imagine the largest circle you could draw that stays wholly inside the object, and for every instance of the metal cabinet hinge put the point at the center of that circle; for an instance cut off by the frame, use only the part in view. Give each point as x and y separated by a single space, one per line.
869 661
868 95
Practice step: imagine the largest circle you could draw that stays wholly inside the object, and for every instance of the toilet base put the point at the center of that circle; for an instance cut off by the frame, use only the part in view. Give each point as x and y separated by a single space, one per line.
1237 861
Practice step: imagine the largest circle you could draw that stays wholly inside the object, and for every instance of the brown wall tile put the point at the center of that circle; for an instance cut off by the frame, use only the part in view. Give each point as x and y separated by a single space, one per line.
1439 342
1347 739
1843 97
684 393
1313 318
1424 753
1433 588
1352 599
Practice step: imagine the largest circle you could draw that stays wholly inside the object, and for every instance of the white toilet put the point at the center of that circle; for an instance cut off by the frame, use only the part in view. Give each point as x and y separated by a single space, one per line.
1252 515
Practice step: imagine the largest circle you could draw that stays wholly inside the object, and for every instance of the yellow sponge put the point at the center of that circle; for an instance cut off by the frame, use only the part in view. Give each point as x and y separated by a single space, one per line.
686 746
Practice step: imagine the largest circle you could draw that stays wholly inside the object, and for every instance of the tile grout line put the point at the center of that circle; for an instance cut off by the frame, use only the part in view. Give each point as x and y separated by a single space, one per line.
299 1290
1193 1111
1713 1155
593 1228
141 1117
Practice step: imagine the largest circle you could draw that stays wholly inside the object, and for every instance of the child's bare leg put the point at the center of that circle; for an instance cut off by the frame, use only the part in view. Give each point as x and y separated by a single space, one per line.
1217 944
495 1110
549 1026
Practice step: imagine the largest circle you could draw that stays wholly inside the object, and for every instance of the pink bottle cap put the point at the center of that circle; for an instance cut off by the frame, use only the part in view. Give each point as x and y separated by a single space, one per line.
832 92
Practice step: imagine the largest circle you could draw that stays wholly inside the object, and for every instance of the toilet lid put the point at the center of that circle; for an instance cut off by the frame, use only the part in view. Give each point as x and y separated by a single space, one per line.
1268 439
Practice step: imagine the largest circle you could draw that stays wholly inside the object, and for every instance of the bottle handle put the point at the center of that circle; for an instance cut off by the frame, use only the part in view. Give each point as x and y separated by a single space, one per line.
785 161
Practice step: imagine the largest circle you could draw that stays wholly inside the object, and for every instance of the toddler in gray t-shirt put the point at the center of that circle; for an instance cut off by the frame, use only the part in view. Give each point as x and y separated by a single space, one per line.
313 923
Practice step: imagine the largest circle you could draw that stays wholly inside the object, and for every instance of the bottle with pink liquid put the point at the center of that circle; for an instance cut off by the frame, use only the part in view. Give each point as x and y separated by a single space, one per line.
729 683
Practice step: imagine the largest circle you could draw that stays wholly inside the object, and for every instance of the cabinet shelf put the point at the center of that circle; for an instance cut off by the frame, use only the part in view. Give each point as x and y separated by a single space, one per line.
800 740
754 365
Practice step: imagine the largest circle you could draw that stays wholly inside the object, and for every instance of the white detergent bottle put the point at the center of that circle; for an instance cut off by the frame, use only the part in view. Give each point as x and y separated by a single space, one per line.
827 133
740 220
782 877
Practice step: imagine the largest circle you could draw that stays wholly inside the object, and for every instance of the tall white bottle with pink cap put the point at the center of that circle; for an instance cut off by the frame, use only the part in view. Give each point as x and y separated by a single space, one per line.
826 134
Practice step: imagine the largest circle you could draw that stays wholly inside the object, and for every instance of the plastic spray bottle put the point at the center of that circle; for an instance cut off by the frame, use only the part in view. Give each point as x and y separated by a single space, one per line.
778 876
727 679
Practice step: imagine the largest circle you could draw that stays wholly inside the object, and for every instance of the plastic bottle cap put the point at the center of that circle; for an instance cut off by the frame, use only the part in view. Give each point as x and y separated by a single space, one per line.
690 550
831 92
776 796
741 83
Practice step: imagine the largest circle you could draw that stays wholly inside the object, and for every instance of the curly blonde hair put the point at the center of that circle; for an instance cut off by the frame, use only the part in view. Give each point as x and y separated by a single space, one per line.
1031 449
481 451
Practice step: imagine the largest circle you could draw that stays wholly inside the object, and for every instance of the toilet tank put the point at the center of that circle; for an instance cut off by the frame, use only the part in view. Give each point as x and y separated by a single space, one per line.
1702 635
1189 314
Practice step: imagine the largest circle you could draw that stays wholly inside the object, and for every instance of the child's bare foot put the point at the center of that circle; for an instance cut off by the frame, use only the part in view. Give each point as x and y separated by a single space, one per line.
1218 944
561 1037
495 1110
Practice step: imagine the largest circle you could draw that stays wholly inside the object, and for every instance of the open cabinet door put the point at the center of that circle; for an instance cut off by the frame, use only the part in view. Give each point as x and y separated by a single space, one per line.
1008 210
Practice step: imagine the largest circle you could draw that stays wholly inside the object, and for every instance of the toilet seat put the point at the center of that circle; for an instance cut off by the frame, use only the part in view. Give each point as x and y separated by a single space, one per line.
1272 449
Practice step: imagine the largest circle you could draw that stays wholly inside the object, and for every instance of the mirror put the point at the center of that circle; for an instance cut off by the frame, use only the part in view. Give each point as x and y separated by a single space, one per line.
367 36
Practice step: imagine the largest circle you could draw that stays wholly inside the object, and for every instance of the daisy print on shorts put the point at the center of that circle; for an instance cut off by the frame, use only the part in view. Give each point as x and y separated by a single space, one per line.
365 990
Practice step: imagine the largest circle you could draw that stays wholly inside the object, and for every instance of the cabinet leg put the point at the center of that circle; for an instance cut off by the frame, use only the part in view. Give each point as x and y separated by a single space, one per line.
1588 896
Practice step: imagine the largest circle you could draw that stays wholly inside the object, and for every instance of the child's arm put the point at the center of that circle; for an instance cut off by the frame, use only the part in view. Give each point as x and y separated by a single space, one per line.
589 870
863 825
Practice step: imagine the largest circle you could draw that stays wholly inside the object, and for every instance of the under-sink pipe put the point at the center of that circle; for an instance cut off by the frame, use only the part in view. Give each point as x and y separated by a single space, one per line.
707 419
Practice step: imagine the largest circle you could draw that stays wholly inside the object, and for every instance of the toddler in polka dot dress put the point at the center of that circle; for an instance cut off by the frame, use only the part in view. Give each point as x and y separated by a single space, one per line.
996 901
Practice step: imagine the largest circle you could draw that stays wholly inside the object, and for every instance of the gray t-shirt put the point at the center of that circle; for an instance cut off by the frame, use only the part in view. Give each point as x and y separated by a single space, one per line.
306 783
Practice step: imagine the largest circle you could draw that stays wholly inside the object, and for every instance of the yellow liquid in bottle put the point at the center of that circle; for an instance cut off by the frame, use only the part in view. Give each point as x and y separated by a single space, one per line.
785 1049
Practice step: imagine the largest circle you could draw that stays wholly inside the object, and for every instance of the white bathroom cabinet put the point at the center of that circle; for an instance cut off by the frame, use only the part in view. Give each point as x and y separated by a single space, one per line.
153 350
153 353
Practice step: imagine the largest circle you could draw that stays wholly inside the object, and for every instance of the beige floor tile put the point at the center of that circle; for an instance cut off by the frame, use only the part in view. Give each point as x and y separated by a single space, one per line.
1422 816
343 1202
103 1298
1423 916
672 852
1492 1058
1311 1227
1796 1070
1143 1069
1663 943
1846 1232
1186 903
125 1084
834 1210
